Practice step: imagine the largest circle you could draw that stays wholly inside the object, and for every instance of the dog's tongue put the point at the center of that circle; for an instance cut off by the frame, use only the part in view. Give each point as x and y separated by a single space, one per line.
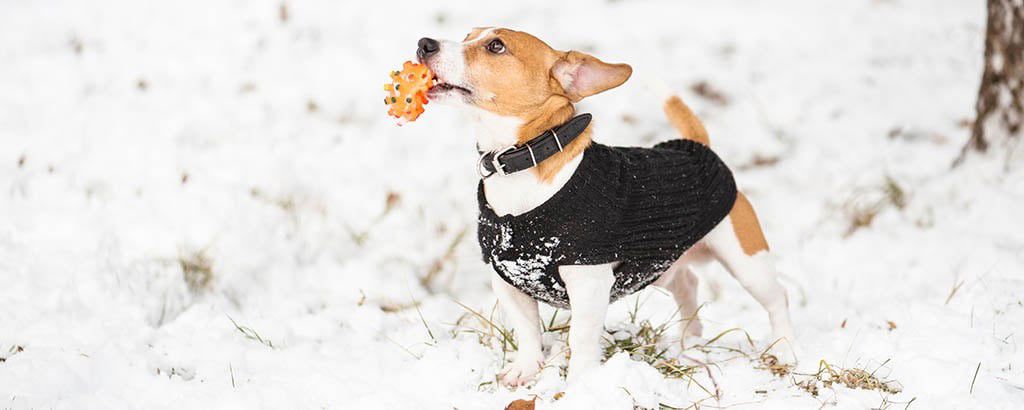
407 91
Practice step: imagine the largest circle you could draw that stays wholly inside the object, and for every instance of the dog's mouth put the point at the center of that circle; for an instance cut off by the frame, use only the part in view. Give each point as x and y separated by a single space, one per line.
443 89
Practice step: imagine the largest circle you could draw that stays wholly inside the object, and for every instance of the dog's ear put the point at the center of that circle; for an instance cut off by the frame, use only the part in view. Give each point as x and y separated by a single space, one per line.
582 75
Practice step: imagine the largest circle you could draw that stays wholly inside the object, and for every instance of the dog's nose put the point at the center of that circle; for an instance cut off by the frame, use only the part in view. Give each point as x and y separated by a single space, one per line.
427 47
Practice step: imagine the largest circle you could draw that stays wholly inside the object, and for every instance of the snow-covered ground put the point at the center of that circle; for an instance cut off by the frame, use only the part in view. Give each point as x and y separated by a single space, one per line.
203 205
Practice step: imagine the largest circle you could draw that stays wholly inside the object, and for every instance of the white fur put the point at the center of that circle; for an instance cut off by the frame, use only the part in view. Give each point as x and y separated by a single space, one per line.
449 64
757 274
521 311
493 131
479 36
589 287
520 192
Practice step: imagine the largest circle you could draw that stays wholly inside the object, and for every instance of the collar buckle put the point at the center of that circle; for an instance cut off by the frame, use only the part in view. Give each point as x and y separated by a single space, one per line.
480 170
499 168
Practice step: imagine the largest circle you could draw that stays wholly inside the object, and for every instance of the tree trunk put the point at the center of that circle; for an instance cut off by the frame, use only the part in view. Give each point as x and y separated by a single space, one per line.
999 121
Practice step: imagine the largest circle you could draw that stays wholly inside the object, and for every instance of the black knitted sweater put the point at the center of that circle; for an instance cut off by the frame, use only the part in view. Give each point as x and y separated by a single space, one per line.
641 207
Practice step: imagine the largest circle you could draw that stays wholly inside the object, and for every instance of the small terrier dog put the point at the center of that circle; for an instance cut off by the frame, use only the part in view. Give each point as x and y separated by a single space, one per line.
577 224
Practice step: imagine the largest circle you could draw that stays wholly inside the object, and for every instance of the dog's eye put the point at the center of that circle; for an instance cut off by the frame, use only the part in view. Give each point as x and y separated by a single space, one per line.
496 46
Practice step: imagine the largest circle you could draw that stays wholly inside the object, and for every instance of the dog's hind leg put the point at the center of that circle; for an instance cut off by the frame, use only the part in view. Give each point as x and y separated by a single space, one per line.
738 243
681 282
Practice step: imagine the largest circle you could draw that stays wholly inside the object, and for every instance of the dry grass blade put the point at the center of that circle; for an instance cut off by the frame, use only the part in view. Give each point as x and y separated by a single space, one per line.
391 201
437 266
725 332
975 378
251 334
507 338
953 291
406 349
398 307
416 304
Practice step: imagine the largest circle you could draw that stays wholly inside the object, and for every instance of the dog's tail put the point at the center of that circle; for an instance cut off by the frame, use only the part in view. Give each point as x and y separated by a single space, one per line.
684 121
679 115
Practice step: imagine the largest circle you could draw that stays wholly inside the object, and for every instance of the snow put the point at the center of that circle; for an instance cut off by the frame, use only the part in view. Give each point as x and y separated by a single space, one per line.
135 135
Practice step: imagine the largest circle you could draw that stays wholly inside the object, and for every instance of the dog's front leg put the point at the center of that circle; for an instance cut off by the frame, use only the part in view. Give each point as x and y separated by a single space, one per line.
521 310
589 288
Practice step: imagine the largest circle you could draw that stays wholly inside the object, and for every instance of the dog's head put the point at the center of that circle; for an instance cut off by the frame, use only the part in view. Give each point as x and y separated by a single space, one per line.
512 73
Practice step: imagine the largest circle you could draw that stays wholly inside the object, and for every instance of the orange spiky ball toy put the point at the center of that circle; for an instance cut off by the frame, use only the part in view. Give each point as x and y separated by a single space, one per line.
407 93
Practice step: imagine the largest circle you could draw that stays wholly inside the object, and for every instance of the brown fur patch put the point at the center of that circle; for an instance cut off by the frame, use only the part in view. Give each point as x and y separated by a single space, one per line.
520 82
746 226
685 122
547 170
515 83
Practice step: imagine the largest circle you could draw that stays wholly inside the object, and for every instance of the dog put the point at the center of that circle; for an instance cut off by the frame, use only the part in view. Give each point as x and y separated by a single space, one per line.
565 220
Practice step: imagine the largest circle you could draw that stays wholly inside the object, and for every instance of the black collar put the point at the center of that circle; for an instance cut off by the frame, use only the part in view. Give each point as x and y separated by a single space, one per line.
512 159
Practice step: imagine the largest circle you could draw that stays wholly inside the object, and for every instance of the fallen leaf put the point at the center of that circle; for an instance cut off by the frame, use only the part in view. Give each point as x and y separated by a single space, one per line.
521 404
710 93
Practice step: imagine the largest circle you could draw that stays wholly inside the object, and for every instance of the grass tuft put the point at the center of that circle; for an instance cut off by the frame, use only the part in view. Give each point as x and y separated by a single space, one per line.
864 204
197 270
488 331
894 193
829 375
771 363
645 343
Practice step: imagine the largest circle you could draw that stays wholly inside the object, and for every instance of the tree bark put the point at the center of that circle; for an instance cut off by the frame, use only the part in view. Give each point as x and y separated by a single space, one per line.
999 120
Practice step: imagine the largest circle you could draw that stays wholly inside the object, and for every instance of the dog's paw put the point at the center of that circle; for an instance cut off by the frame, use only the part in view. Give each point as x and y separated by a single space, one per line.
690 328
785 351
520 372
580 367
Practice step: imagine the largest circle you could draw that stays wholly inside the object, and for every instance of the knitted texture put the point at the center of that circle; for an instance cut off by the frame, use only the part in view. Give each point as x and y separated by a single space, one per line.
640 207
